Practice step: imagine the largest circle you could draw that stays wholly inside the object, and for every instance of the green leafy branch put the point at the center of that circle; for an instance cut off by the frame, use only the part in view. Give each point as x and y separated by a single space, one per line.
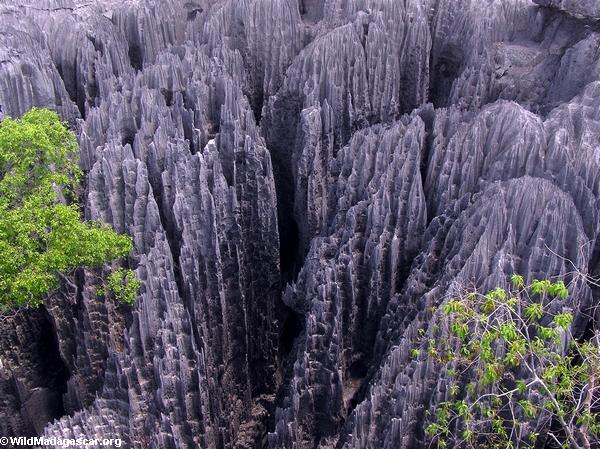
42 233
531 371
123 284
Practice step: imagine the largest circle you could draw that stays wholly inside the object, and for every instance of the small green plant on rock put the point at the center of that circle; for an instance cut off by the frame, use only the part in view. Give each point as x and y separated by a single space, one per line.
124 285
533 378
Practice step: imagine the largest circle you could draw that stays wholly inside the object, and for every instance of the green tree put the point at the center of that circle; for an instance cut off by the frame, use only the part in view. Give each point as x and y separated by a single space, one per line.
42 234
518 372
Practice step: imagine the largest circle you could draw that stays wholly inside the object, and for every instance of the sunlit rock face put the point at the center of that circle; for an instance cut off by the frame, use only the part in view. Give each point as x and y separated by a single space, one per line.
305 182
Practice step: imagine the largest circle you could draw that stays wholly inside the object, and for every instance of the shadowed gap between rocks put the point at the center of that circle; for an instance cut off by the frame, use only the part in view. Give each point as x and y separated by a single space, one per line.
289 245
56 375
289 233
135 57
311 10
279 129
71 86
257 101
444 71
290 330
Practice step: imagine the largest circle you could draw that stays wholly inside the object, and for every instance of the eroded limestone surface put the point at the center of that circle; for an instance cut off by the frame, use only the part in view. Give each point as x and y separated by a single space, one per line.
305 181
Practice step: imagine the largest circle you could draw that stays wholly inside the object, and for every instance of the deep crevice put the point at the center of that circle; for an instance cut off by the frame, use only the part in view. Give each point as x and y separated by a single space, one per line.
289 232
279 128
128 137
428 116
69 80
290 330
311 10
168 94
56 373
445 70
135 57
289 244
358 370
355 385
257 105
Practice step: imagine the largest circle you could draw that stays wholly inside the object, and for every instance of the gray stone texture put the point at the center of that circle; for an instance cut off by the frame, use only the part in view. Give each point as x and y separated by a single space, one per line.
586 9
305 182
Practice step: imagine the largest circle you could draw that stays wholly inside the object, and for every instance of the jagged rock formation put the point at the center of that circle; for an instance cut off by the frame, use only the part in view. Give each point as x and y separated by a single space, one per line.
373 231
588 9
29 76
519 214
305 181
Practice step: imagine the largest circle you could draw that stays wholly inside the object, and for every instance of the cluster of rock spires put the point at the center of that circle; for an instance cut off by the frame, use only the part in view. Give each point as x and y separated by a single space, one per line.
305 181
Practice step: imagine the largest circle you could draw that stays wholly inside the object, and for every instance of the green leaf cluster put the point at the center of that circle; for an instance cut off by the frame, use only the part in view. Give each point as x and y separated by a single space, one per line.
498 338
42 233
124 284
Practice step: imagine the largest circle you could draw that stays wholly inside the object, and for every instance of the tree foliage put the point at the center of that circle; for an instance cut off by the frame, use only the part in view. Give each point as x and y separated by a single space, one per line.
42 233
519 372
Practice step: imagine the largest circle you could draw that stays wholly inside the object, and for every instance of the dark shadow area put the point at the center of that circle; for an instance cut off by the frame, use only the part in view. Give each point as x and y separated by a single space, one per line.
128 137
358 370
69 78
445 69
56 373
257 105
168 94
279 127
93 92
355 385
290 330
427 114
135 57
311 10
289 241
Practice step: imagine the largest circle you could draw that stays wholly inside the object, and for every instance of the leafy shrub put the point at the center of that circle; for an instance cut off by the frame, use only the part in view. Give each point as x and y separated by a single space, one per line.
518 372
42 233
124 285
